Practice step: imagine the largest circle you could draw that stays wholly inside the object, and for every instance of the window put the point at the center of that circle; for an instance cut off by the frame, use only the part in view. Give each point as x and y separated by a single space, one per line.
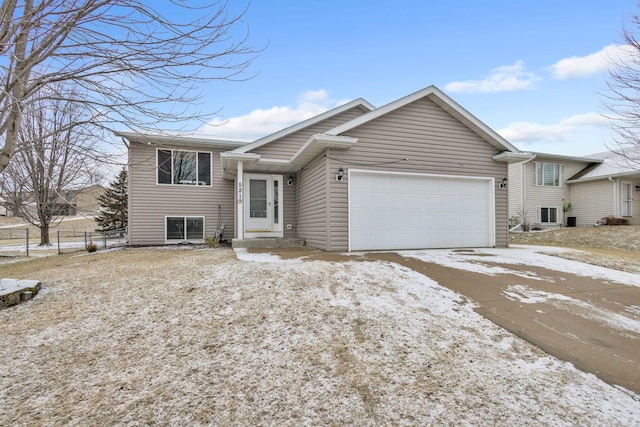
548 215
181 228
184 167
548 174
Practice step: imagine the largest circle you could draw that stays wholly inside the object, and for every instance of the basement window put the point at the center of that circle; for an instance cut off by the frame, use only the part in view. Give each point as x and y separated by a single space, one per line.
548 215
184 229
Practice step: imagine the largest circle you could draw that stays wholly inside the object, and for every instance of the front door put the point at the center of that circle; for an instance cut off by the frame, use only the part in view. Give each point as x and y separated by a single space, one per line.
263 207
627 199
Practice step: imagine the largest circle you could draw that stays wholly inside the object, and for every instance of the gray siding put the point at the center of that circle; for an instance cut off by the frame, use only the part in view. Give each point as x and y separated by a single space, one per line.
312 204
433 142
514 189
537 196
591 201
290 210
286 147
149 202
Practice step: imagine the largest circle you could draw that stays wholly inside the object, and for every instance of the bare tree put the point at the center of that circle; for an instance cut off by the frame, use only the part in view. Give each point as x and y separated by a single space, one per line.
140 63
623 99
54 156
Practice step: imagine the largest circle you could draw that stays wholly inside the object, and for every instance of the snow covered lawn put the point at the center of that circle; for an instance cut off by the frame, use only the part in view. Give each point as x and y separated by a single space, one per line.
190 337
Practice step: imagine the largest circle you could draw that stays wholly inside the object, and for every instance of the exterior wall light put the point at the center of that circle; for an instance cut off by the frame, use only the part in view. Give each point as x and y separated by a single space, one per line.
503 183
290 180
340 174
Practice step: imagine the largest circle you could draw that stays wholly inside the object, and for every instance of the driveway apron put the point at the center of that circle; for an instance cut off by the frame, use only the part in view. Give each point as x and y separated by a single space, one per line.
589 322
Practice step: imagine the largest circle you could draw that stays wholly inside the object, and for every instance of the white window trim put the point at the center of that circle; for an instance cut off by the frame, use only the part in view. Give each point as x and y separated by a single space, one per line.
559 214
623 198
178 241
560 175
185 185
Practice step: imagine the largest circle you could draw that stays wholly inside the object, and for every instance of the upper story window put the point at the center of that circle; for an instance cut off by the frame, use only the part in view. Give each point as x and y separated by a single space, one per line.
180 167
548 174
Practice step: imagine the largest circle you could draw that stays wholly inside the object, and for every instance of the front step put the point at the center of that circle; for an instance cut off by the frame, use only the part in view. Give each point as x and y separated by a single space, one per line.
267 243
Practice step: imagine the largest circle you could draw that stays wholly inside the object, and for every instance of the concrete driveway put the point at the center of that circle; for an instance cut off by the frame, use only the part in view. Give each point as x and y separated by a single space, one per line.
593 323
580 313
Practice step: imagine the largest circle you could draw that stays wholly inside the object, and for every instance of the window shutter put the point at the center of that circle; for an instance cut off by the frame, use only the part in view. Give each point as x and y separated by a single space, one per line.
535 173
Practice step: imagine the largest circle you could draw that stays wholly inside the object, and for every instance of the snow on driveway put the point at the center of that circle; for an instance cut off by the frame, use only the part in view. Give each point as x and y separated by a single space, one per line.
195 337
538 256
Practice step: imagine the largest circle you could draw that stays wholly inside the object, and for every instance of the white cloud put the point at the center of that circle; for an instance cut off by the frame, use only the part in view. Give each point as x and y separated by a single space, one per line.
529 132
263 122
581 66
506 78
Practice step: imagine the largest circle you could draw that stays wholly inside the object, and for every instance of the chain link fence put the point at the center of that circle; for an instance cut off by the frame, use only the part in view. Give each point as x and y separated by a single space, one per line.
20 242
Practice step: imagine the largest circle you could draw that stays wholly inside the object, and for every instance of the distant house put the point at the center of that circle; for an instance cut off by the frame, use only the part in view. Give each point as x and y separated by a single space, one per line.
420 172
83 200
4 211
555 190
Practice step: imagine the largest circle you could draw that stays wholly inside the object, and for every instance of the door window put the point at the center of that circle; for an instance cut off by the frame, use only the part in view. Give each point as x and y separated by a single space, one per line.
258 198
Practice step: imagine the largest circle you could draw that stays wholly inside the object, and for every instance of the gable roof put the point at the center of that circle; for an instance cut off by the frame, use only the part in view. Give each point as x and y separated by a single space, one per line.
360 103
441 99
610 164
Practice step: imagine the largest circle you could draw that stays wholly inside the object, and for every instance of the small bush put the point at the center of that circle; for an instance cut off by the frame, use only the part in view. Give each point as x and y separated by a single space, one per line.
536 227
92 247
211 242
611 220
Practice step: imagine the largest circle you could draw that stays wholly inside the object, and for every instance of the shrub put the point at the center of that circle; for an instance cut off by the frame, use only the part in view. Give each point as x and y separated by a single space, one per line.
611 220
92 247
536 227
211 242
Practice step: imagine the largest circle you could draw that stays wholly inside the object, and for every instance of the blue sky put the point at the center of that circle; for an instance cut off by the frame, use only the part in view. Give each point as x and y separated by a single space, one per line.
534 71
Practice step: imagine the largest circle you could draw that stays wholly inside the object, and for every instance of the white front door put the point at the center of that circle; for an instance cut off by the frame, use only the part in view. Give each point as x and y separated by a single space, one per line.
263 206
627 199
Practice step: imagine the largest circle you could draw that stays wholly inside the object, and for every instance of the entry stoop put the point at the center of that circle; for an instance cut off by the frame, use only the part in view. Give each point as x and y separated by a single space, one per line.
267 243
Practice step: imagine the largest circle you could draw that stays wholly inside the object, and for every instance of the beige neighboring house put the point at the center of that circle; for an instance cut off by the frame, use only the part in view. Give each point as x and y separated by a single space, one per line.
556 190
420 172
80 201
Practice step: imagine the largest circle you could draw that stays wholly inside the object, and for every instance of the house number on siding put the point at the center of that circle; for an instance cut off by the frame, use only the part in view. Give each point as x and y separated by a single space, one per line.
239 193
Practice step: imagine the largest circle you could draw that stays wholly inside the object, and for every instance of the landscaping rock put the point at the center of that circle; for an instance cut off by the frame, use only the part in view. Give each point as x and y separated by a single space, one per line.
13 291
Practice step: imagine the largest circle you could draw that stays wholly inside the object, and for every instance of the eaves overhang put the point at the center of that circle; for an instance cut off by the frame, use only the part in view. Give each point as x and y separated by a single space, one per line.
510 157
628 175
179 141
309 151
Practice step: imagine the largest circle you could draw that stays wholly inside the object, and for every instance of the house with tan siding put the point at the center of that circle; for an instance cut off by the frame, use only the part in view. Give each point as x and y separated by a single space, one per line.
420 172
554 190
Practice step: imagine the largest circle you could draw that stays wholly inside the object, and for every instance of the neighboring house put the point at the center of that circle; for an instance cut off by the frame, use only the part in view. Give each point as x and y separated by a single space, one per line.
82 200
555 190
420 172
3 208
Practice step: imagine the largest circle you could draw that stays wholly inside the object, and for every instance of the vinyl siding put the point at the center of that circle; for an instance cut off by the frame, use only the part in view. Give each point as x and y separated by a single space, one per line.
290 211
537 196
514 188
432 140
591 201
312 204
149 202
286 147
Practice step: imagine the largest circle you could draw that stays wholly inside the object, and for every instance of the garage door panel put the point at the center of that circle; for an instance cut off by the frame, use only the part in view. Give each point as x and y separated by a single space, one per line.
395 211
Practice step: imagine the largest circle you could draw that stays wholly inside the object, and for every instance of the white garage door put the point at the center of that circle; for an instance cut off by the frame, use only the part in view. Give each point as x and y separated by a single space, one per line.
413 211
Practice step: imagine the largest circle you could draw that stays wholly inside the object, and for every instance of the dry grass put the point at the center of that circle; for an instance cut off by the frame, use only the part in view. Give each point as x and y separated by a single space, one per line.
616 247
78 223
197 337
